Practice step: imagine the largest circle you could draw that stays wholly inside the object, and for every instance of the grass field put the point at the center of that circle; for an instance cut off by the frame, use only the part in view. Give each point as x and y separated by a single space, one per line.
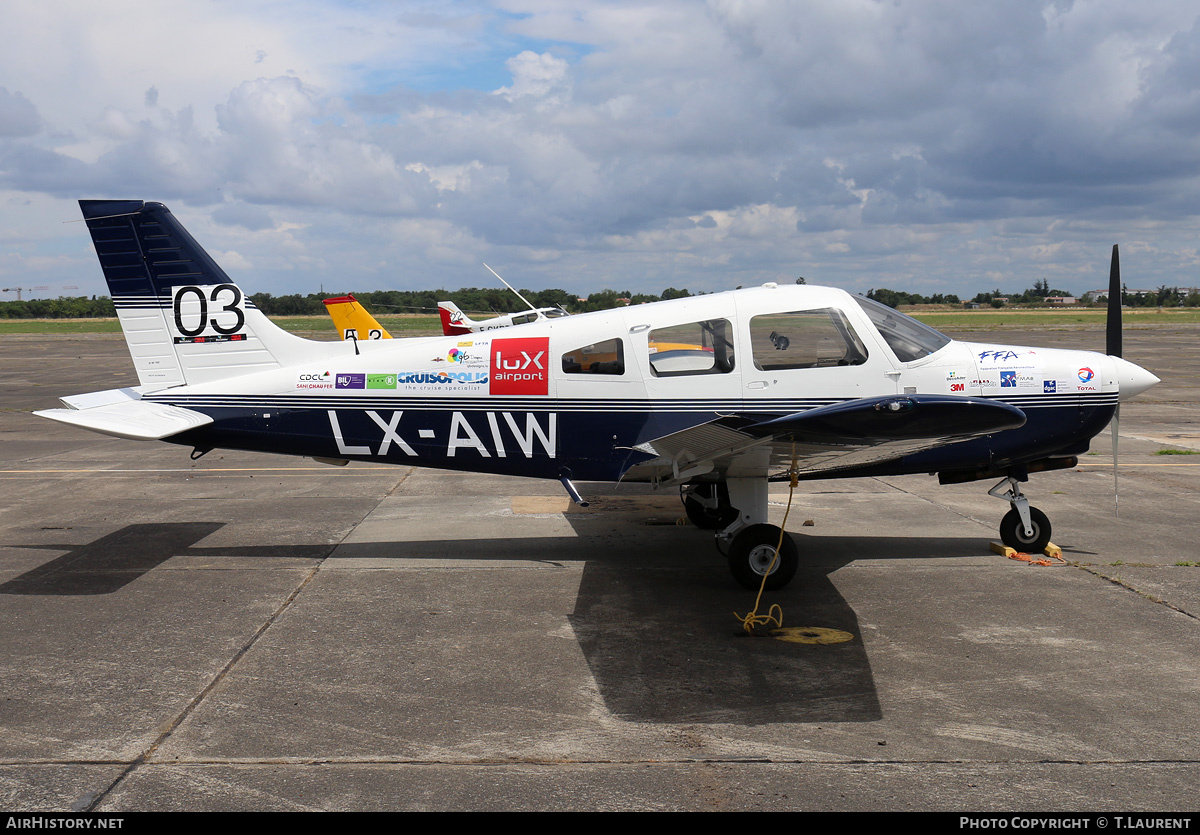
946 320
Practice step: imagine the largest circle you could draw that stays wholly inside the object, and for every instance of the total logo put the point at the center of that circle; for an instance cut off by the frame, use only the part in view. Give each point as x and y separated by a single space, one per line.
1086 375
519 366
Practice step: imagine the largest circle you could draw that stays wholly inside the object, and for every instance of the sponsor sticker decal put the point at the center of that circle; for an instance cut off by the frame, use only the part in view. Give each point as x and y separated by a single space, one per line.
315 380
381 381
1049 387
1008 379
1086 375
351 381
958 387
1003 355
441 380
520 366
197 340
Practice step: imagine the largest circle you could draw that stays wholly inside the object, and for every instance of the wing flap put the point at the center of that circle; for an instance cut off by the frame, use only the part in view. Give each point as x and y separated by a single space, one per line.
132 419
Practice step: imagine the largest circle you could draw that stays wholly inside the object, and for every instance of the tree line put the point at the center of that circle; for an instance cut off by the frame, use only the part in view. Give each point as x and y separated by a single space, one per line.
1037 294
473 300
489 300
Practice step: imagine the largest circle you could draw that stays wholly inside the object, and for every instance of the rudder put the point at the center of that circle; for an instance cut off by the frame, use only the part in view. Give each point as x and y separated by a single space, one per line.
185 321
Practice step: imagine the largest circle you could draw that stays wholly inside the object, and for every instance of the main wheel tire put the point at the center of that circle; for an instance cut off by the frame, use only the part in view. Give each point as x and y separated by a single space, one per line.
1012 531
707 518
751 553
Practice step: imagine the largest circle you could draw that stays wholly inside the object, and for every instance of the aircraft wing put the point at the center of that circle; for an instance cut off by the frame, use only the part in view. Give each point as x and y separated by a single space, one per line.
121 414
854 433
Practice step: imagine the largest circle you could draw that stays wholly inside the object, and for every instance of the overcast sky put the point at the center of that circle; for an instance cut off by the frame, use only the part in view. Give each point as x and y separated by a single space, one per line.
923 146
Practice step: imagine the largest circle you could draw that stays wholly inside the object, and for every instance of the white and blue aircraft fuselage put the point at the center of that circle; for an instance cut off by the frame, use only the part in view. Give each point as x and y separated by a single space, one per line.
715 394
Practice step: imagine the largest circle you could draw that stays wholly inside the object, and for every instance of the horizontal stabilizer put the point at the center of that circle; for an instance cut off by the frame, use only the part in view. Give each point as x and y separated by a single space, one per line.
133 419
100 398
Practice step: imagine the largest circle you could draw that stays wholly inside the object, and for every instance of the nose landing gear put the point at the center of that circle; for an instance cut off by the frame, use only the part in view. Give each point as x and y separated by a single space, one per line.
1024 528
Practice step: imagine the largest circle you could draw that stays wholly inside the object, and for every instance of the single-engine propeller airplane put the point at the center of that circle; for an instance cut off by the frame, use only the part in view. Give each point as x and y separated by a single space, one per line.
455 322
716 395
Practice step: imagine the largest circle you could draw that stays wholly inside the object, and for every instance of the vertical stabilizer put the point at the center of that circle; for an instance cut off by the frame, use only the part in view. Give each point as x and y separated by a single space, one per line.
184 319
352 319
454 321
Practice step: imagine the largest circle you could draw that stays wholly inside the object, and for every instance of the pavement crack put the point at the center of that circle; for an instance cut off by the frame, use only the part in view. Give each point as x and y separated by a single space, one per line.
191 706
145 756
1117 581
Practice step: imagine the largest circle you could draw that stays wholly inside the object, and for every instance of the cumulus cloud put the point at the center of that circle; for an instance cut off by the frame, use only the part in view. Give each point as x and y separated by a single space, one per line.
534 75
845 140
18 116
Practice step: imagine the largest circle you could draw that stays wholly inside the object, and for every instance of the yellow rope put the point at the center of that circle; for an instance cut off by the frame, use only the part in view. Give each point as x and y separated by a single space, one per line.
753 620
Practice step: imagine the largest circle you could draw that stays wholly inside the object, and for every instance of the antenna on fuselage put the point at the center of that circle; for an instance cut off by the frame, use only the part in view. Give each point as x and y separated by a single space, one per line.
514 289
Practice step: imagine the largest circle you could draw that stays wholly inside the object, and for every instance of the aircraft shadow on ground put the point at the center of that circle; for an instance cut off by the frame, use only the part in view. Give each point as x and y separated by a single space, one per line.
656 627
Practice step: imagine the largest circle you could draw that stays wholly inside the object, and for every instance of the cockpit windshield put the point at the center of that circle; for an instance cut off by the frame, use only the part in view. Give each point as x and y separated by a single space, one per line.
910 339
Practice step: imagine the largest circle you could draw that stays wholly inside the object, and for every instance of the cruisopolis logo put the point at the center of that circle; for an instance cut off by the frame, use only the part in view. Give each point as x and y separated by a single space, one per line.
450 379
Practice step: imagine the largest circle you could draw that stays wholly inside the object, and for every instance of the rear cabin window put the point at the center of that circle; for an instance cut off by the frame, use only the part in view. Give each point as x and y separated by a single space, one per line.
804 339
695 348
607 357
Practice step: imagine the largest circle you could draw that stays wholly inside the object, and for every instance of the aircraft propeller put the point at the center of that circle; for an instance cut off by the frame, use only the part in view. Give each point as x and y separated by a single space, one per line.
1112 347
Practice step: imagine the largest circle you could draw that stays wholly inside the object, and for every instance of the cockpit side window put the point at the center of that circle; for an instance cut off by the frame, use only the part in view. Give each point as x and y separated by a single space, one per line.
694 348
804 339
909 338
607 357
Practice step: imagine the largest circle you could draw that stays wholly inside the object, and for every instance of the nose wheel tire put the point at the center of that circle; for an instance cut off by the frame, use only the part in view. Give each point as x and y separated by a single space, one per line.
751 553
1012 531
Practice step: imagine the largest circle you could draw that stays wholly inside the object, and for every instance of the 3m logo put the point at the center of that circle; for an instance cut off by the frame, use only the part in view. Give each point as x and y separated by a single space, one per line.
520 366
958 387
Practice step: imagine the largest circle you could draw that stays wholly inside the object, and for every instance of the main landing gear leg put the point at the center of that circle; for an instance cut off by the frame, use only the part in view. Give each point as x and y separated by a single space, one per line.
749 542
707 505
1024 528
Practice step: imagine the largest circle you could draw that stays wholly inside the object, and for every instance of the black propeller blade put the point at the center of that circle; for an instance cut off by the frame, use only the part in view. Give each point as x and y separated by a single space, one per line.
1113 333
1112 347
